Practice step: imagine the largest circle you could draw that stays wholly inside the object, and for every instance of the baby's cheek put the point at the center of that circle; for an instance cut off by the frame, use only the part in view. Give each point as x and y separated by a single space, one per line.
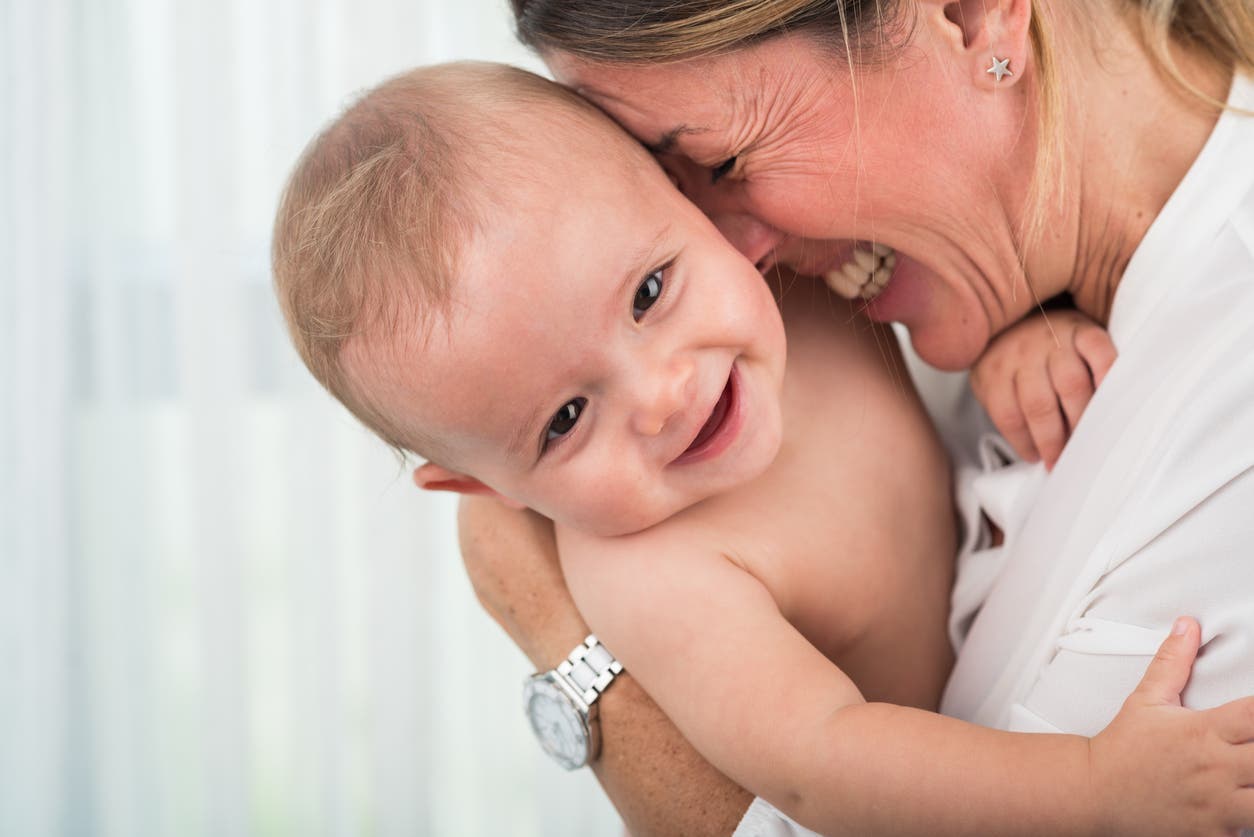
644 506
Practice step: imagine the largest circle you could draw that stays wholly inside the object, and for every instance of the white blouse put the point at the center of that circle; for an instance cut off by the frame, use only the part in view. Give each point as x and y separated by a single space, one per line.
1149 513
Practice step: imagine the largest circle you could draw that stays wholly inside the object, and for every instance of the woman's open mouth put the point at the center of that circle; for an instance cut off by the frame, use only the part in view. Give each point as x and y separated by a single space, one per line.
865 274
720 428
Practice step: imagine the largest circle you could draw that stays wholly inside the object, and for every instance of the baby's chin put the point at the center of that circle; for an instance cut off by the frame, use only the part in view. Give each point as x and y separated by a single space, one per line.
631 516
623 522
626 516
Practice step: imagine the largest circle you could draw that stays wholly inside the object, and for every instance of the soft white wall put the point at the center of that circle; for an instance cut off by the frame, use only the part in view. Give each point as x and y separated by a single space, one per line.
223 608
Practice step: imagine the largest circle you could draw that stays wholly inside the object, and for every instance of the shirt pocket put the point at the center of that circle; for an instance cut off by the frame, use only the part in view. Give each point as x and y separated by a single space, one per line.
1092 635
1096 664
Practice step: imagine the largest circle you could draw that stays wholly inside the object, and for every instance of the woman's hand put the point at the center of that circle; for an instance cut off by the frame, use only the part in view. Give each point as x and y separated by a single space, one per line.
1037 377
1162 769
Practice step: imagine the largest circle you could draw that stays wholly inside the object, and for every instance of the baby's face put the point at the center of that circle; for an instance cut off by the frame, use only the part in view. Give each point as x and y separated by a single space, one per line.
608 359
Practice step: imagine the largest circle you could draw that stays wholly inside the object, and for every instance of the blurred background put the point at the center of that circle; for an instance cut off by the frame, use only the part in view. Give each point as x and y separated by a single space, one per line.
224 609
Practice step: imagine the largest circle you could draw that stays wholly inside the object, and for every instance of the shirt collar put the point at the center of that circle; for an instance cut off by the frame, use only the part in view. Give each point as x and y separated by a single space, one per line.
1215 185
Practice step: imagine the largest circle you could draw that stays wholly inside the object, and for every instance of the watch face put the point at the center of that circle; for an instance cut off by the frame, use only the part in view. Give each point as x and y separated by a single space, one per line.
557 723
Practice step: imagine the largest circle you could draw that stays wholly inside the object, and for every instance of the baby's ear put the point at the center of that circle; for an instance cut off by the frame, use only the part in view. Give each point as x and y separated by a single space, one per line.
432 477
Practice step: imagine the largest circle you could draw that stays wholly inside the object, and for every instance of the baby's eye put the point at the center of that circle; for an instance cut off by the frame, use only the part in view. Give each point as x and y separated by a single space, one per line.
564 421
722 170
648 292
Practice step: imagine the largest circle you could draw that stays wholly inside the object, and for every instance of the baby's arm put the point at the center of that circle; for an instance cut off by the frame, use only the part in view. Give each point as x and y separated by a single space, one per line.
708 643
1036 378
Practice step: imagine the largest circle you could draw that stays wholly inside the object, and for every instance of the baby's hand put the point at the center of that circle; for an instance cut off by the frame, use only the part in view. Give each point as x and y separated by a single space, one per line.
1036 378
1162 769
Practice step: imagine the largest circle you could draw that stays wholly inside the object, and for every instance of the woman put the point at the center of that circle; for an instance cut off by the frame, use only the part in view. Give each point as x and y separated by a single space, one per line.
1010 152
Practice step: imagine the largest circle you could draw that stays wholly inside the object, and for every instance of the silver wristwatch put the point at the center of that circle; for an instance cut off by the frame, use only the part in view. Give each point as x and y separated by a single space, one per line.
562 704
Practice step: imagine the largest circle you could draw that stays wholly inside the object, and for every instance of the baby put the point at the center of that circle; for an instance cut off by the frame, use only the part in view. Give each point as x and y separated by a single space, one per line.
488 273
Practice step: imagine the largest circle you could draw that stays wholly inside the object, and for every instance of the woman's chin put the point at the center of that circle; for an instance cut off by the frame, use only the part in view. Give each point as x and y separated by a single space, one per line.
912 298
939 347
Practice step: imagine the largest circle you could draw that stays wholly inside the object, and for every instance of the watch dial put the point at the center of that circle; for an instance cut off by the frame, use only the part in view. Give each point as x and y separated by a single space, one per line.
557 724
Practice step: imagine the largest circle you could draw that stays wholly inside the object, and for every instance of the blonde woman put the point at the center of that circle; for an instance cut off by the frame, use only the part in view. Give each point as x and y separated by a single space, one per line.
1008 153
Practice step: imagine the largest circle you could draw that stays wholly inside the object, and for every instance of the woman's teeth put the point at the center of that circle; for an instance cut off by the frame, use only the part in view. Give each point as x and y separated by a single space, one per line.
865 274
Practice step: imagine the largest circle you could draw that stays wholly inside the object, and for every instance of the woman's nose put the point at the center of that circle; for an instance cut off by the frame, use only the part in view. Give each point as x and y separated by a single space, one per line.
664 393
723 204
751 237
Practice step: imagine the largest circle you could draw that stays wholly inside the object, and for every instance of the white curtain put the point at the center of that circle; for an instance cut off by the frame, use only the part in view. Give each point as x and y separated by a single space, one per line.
224 609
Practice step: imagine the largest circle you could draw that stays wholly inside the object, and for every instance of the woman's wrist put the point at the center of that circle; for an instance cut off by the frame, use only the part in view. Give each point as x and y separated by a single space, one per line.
657 781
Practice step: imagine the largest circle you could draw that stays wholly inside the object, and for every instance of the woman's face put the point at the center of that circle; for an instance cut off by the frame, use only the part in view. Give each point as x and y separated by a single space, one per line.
797 165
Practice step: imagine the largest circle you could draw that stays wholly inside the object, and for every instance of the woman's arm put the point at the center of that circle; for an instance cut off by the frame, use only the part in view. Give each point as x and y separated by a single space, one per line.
657 781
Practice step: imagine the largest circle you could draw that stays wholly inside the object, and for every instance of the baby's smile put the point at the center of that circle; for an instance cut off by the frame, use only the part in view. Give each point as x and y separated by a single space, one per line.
720 428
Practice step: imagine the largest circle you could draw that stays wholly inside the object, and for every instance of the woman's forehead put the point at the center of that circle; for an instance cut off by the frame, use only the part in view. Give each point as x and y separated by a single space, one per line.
660 113
664 103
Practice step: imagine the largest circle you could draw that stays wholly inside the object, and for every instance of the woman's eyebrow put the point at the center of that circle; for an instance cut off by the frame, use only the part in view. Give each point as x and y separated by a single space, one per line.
671 138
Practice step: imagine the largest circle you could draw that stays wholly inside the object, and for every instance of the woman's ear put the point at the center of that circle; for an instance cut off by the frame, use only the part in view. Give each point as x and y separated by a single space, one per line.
432 477
992 37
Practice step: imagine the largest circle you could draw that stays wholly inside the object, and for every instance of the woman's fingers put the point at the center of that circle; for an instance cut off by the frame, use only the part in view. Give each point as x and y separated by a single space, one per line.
1041 411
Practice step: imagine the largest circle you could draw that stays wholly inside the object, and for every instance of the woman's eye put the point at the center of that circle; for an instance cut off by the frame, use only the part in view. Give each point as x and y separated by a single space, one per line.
722 170
564 421
648 292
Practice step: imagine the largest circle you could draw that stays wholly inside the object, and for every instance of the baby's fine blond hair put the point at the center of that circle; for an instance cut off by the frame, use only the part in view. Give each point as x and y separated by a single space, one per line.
374 216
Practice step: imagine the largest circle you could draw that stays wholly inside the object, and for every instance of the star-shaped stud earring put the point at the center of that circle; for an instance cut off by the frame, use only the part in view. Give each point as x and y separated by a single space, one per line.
1000 68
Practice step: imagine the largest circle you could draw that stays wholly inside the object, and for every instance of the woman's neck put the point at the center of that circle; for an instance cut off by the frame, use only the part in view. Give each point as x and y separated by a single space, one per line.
1130 136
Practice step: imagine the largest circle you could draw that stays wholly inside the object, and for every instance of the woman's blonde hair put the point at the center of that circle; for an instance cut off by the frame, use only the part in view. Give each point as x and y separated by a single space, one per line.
868 32
1223 29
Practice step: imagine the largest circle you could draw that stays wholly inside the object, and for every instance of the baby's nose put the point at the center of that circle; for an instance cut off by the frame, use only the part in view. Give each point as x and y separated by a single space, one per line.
665 397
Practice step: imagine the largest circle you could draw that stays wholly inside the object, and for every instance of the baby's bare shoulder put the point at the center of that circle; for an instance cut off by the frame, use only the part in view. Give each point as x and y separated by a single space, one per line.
686 542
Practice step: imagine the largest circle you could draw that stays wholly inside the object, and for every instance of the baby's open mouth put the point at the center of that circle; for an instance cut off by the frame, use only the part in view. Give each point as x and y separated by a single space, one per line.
718 418
865 274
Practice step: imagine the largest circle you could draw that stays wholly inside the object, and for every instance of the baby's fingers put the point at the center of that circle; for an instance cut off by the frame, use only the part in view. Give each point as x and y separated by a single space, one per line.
1167 673
1097 349
1242 813
997 393
1044 417
1234 722
1072 384
1244 774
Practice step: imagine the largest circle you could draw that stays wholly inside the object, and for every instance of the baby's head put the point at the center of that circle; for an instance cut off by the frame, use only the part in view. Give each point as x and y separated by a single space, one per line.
488 273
